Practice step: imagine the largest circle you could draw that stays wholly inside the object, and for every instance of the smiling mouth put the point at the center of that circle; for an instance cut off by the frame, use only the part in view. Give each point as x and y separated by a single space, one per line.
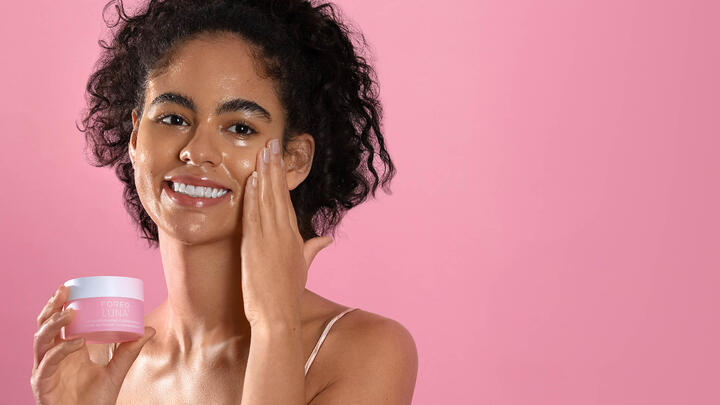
170 185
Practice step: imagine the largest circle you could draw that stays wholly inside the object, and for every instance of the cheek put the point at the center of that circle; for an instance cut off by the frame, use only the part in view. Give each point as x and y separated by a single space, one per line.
144 183
238 168
151 164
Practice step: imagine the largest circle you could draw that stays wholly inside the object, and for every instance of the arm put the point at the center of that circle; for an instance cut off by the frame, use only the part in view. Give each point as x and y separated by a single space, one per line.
382 365
275 263
275 371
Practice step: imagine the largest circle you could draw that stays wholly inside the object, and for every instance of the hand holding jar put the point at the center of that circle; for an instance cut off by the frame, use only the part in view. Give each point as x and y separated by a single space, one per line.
63 372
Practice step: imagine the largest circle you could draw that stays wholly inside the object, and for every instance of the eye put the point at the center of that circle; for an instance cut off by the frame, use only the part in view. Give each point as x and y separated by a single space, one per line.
171 116
243 128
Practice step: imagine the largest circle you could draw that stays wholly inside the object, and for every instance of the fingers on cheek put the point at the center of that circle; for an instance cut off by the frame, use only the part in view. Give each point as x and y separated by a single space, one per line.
259 171
251 184
263 171
267 197
251 219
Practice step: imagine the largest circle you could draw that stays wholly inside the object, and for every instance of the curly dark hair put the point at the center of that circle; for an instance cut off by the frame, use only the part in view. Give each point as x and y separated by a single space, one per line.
325 86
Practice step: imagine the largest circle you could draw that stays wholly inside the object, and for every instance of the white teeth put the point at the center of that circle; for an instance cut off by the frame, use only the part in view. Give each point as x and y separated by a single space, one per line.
198 191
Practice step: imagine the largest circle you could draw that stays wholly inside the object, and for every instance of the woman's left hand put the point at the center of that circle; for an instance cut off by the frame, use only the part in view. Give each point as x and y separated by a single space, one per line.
275 259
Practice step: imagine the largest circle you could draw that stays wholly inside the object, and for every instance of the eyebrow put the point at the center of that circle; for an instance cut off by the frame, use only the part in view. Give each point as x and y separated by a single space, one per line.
237 104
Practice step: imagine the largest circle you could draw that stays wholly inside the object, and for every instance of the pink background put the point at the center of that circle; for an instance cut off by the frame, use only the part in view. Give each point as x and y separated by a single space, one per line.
553 236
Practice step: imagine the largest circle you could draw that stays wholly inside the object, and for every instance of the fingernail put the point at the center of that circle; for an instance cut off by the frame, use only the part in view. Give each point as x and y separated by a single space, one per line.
275 146
266 155
254 179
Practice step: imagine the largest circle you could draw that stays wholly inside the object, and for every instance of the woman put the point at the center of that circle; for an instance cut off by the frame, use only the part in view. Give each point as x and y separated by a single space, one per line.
267 108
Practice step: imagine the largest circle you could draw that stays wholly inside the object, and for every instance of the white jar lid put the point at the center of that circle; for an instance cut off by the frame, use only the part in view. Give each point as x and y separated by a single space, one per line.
105 286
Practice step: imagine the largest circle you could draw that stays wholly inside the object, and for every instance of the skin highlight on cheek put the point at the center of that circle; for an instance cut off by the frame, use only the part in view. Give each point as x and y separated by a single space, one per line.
237 183
144 183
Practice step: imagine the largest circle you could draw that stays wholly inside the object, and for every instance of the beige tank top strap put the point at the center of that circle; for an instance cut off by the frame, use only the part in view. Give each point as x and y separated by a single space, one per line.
322 338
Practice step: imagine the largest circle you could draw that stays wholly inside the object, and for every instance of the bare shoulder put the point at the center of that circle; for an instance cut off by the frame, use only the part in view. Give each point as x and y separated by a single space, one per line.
361 332
369 337
372 359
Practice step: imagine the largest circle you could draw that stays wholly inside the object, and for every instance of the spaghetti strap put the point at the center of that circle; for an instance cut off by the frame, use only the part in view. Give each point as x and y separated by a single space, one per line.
322 338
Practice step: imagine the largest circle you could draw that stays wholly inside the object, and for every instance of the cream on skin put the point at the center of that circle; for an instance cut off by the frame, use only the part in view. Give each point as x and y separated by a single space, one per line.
200 247
206 349
203 316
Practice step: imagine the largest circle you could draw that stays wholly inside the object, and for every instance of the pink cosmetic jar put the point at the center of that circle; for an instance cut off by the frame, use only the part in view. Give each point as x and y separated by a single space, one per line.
108 309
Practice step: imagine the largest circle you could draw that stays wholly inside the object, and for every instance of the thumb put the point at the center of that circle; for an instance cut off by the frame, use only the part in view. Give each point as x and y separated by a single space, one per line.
125 355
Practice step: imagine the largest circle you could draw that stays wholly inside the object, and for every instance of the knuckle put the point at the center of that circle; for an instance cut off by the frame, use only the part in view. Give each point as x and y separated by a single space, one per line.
49 357
35 377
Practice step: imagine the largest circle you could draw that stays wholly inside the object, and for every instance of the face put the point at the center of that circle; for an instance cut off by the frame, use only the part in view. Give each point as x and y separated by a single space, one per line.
185 131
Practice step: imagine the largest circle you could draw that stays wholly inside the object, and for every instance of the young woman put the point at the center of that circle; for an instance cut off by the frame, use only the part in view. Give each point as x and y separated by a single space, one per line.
242 131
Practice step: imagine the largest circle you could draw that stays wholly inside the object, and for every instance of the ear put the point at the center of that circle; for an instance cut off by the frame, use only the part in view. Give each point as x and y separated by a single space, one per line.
133 137
298 159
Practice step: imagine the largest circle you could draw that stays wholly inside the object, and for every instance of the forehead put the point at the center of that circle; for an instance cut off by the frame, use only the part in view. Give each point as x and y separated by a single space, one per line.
213 68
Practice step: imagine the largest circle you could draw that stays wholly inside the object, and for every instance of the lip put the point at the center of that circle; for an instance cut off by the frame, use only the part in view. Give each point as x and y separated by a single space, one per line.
194 202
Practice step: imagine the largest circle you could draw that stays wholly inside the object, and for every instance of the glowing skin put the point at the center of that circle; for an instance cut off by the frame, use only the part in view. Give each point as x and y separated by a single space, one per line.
200 352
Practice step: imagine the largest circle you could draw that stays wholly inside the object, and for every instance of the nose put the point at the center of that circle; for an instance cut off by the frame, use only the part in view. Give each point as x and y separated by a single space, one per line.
201 147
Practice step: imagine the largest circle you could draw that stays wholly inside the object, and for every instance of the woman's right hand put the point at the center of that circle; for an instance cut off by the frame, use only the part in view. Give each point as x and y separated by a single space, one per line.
63 373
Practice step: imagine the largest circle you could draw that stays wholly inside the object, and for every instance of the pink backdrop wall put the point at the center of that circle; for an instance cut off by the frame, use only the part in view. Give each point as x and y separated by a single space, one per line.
553 235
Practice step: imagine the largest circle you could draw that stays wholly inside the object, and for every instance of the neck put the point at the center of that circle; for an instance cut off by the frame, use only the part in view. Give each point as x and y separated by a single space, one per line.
204 311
